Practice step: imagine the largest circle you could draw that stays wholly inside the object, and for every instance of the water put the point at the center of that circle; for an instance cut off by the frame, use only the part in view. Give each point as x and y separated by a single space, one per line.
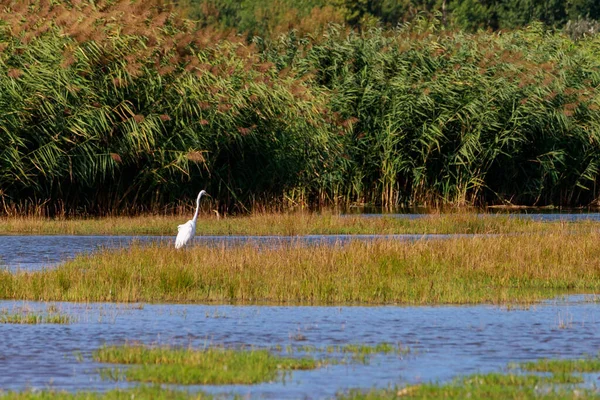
445 342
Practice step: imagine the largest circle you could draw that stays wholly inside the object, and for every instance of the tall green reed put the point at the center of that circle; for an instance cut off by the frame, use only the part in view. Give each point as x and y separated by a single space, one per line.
134 109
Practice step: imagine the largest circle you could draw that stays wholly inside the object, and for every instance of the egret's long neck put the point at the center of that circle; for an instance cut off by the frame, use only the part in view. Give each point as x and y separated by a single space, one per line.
197 207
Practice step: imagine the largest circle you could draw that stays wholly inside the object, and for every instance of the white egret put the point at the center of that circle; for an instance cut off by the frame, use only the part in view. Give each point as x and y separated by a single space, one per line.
187 231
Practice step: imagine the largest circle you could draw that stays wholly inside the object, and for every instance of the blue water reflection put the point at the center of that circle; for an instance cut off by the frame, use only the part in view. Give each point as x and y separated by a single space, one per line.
445 342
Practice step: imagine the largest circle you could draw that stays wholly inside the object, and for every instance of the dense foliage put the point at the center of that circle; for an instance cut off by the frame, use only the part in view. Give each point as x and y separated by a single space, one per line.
272 17
123 107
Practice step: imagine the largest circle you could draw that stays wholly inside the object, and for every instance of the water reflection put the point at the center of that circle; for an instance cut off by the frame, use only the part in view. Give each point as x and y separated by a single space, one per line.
445 341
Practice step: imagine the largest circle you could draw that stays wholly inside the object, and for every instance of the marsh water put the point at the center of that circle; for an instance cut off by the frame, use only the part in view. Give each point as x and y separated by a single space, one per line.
443 342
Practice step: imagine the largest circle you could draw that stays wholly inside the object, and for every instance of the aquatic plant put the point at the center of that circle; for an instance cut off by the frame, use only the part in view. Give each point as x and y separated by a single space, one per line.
589 364
24 315
482 386
215 366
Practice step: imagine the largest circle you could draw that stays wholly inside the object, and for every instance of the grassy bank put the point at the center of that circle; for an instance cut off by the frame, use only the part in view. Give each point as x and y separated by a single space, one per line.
286 224
461 270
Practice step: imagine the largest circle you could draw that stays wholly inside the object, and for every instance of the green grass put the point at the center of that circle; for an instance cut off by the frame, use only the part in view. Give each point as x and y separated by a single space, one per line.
481 386
563 366
286 224
214 366
464 270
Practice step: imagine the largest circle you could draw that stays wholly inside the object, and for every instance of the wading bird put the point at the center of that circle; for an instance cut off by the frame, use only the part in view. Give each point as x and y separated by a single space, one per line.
187 231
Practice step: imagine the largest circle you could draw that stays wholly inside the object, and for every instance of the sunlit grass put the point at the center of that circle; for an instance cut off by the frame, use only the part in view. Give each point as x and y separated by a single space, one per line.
214 366
493 269
287 224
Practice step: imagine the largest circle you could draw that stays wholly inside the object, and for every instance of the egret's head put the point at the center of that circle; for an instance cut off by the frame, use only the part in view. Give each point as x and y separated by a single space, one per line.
202 193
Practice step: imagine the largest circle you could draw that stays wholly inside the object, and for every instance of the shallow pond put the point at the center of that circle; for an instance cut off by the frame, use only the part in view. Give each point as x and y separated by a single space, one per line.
444 342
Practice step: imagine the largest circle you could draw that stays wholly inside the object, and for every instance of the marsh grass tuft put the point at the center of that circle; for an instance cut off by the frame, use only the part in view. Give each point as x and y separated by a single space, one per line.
24 315
563 366
361 353
214 366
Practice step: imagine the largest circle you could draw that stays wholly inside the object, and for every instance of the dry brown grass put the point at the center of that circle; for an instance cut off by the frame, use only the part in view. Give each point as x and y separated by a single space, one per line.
299 223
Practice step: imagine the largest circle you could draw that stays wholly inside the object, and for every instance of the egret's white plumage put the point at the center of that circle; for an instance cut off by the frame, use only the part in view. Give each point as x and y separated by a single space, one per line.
187 231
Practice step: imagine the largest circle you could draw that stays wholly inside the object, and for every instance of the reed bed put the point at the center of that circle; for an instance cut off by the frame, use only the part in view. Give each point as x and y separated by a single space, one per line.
299 223
490 269
114 107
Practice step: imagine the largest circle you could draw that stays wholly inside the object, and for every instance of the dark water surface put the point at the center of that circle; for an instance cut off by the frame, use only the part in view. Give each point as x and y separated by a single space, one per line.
445 342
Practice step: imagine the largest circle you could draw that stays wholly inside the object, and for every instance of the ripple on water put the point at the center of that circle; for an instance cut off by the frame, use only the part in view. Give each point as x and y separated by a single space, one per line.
444 341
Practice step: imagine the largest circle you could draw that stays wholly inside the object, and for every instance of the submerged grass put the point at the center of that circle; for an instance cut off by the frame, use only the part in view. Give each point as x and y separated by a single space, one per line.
286 224
214 366
140 392
23 315
492 269
481 386
560 384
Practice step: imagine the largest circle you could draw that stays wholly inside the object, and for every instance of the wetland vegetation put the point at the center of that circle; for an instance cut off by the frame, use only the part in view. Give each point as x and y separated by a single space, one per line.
216 366
139 392
559 384
458 270
24 315
563 382
117 107
295 223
